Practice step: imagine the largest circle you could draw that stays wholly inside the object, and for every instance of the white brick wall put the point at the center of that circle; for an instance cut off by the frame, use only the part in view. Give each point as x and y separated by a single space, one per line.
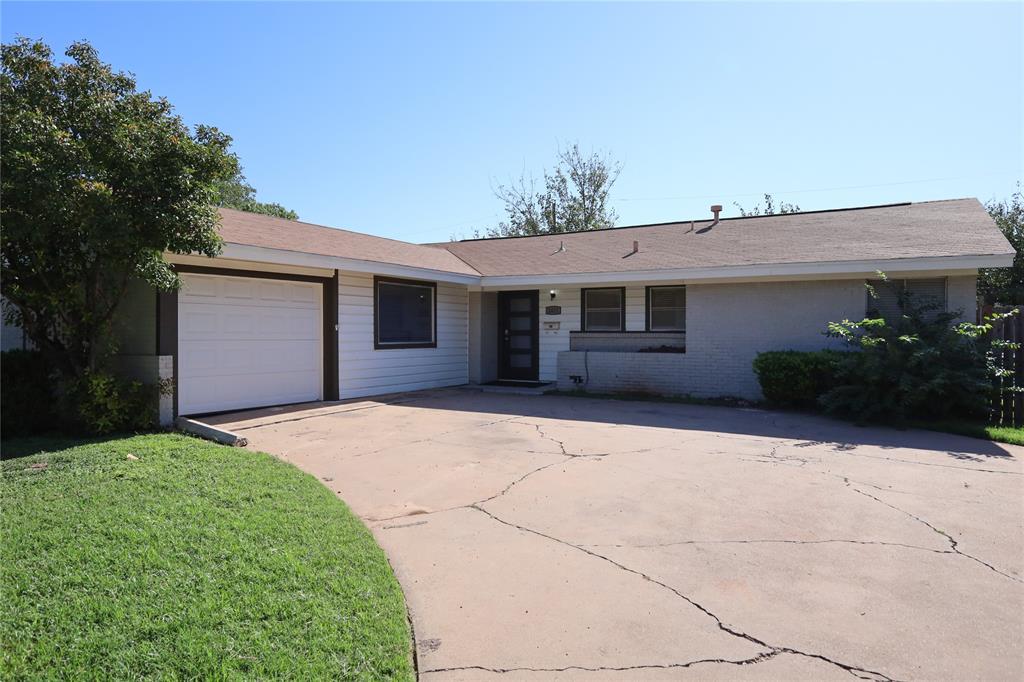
962 294
727 325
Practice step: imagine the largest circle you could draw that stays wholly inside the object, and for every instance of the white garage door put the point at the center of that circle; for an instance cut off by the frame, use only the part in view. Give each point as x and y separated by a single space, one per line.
247 342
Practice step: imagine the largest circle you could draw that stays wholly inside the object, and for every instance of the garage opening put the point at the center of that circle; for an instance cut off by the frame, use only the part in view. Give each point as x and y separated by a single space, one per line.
248 342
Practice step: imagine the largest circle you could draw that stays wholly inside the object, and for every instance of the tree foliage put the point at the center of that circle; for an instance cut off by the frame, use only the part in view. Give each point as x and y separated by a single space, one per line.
925 364
98 181
1006 285
770 207
571 198
237 193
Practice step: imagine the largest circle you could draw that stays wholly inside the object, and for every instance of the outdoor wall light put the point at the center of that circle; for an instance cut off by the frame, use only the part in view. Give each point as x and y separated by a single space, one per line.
552 292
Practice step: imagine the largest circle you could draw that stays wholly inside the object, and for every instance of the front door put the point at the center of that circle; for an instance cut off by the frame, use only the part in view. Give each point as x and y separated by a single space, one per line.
518 335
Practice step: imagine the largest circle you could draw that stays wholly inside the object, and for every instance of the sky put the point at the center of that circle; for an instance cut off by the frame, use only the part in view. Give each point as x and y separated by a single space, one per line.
400 119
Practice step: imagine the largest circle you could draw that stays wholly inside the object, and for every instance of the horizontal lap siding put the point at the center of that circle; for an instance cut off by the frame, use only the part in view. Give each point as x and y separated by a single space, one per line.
364 371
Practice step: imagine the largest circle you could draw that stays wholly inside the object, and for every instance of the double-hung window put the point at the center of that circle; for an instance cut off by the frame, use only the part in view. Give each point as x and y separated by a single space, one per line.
604 310
666 309
404 313
893 296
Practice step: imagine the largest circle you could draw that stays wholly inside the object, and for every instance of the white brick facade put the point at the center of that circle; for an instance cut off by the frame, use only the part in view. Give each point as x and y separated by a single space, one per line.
727 325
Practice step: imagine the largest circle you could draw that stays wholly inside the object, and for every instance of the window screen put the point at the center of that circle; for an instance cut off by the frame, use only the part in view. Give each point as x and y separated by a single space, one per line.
602 310
917 292
404 313
666 309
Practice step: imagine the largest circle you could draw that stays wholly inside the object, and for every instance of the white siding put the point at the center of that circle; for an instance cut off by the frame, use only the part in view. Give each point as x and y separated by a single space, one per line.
364 371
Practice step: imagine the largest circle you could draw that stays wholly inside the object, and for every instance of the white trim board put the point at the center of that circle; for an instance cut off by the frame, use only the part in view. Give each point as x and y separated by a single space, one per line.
238 254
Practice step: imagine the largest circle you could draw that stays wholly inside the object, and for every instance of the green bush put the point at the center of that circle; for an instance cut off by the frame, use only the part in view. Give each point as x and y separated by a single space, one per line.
105 403
796 378
27 401
924 364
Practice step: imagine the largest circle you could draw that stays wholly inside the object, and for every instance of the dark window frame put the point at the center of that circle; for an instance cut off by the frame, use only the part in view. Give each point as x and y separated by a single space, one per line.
377 343
622 308
870 301
647 307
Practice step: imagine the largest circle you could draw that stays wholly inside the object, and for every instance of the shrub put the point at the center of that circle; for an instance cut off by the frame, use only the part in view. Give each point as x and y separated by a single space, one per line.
921 365
796 378
26 394
104 403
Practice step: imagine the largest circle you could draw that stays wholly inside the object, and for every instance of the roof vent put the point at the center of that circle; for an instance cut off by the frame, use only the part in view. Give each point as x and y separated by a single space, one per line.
715 210
561 248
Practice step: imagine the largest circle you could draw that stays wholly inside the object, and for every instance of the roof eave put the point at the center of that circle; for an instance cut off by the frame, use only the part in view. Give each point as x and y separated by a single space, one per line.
302 259
763 271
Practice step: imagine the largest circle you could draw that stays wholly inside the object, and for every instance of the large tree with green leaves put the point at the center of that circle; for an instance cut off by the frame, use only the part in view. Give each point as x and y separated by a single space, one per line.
236 192
574 197
98 181
1006 285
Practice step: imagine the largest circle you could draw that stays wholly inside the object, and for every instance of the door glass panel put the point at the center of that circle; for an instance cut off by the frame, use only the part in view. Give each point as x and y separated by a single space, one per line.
521 342
519 323
520 360
519 305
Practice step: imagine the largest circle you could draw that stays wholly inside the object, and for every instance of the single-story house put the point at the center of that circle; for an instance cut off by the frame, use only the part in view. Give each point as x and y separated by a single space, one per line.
294 312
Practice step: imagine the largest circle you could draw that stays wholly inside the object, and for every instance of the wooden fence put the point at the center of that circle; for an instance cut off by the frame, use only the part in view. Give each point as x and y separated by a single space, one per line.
1007 407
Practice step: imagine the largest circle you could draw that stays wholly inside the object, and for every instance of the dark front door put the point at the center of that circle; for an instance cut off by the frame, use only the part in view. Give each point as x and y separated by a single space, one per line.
518 335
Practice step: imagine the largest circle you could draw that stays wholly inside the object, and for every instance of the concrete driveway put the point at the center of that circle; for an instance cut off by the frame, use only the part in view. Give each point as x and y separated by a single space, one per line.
557 538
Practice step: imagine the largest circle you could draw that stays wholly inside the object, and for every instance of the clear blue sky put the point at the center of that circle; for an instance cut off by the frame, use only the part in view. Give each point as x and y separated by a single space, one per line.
398 119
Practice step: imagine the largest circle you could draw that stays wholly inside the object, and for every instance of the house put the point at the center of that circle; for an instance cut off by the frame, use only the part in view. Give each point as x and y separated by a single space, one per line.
293 312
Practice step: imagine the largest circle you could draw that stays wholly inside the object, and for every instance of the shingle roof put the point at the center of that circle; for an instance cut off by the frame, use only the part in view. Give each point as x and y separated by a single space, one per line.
958 227
254 229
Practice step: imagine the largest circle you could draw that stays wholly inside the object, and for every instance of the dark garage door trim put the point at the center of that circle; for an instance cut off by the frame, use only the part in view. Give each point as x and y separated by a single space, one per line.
167 319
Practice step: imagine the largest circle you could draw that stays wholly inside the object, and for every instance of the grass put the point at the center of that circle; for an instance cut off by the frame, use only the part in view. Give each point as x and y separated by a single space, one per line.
192 560
1000 434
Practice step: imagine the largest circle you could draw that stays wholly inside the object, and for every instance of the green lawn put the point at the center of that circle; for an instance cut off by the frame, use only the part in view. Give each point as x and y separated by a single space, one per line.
1002 434
192 561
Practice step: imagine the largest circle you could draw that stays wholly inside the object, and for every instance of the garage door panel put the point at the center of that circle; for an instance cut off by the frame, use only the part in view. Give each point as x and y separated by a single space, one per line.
246 342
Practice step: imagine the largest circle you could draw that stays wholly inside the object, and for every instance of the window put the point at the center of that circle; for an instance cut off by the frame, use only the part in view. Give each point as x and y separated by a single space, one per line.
604 310
893 293
666 309
404 313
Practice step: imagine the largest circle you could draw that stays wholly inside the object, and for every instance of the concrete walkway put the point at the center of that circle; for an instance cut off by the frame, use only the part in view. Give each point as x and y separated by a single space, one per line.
557 538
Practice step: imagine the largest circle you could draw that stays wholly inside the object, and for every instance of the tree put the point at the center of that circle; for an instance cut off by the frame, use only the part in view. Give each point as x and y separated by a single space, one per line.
237 193
769 207
574 197
1006 285
98 181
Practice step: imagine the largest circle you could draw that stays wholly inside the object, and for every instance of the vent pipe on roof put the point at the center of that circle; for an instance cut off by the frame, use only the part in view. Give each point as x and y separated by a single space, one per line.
715 210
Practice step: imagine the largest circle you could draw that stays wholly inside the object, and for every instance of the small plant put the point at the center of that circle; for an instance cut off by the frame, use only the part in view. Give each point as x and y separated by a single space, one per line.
105 403
796 378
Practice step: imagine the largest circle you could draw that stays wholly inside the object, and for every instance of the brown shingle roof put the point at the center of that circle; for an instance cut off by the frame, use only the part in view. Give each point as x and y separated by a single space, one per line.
254 229
958 227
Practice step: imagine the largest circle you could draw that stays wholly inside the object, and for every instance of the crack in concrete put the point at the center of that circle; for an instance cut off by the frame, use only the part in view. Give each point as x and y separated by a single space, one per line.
953 545
540 432
780 542
765 656
470 505
857 671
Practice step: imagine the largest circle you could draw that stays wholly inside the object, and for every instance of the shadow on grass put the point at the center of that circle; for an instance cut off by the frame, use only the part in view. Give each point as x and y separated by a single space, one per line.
12 448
